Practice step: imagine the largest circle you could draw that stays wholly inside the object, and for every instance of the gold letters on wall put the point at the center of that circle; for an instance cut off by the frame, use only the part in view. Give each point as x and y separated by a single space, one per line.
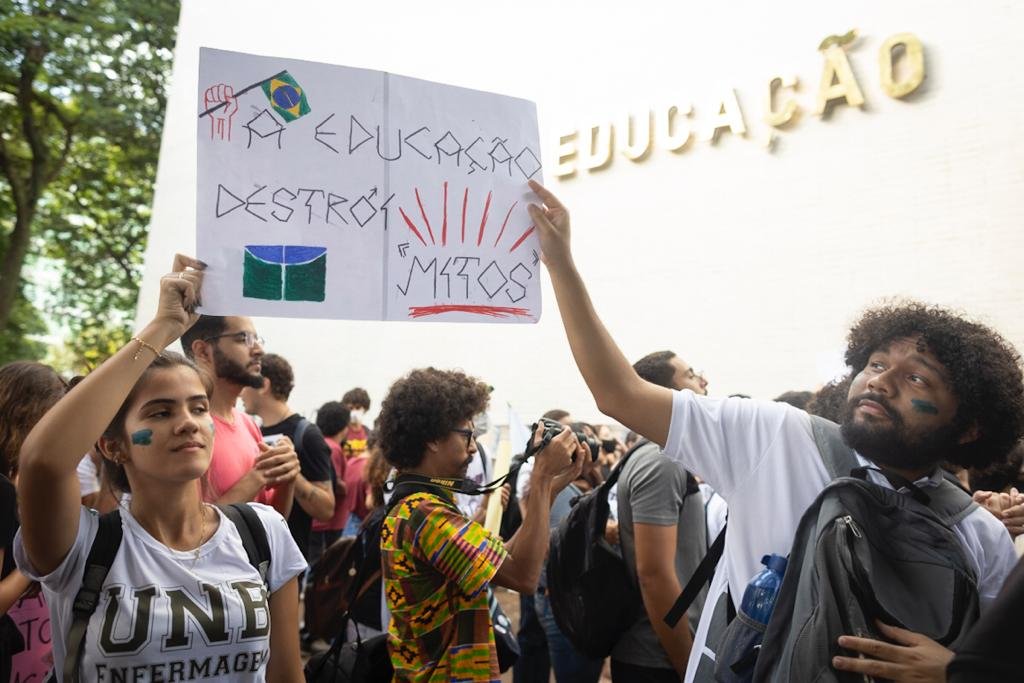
837 82
674 129
913 55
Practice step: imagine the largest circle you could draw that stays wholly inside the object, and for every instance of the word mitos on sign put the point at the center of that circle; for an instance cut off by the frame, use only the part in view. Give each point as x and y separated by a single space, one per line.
901 72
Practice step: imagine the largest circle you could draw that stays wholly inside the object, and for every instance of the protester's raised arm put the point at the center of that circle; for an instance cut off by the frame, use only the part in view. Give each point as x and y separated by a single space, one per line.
619 392
48 492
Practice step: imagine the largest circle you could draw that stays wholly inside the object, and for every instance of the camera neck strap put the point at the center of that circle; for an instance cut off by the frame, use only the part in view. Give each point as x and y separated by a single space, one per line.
466 486
455 485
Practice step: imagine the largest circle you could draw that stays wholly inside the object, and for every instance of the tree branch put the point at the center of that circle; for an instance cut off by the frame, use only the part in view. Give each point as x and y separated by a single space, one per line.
29 68
7 166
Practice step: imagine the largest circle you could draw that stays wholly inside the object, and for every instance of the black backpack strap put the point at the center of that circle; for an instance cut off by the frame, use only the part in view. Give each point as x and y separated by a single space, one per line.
608 483
701 575
950 501
97 566
254 536
300 431
839 458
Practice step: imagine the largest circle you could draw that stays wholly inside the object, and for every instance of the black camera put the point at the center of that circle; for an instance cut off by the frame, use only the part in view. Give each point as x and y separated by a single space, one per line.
553 429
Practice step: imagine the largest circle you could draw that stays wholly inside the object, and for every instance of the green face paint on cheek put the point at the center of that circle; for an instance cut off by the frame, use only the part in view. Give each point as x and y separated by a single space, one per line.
213 427
924 406
143 437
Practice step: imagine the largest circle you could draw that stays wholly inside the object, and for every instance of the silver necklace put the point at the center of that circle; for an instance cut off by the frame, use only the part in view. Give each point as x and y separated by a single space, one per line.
202 535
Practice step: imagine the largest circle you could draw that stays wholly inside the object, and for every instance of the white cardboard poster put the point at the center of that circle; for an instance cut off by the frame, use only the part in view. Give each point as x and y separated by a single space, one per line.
333 192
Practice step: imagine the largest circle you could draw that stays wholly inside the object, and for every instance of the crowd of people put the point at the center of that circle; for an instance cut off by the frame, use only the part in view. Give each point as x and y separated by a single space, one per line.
169 511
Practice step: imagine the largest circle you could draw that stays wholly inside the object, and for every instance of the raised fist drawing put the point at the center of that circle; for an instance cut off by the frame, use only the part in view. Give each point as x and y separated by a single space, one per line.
220 120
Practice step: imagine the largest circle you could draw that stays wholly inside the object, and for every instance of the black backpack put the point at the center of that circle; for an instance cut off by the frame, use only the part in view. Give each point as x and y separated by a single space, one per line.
593 599
331 593
861 552
102 553
363 661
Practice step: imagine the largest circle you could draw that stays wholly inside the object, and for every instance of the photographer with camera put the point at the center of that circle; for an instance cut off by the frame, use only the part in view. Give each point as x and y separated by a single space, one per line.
436 563
569 665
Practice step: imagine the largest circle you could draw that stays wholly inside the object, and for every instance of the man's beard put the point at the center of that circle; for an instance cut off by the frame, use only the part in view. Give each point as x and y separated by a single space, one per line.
233 371
892 444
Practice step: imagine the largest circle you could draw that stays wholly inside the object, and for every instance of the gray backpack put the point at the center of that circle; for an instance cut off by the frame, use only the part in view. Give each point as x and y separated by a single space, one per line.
861 552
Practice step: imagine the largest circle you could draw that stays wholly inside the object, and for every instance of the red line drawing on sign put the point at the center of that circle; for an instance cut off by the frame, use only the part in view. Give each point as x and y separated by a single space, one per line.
465 200
411 226
505 222
492 311
424 214
521 239
221 95
444 225
483 219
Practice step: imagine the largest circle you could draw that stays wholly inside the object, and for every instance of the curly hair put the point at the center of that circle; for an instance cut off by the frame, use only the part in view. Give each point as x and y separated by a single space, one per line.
830 401
1001 475
656 368
357 398
377 471
424 406
27 391
279 372
983 370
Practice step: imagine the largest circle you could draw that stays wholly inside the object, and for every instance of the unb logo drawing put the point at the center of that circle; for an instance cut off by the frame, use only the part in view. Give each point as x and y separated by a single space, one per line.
279 272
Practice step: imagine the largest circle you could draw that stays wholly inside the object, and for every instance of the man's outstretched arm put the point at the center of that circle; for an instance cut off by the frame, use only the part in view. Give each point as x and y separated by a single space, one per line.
619 392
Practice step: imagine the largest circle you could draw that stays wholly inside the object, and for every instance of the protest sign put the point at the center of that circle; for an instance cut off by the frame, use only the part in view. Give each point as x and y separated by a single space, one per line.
334 192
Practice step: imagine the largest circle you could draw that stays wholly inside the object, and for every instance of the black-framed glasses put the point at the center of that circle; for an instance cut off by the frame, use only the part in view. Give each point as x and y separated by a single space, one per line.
468 433
250 339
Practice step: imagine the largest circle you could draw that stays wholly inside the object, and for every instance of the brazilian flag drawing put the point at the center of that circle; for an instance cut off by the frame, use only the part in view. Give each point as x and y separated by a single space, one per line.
280 272
286 96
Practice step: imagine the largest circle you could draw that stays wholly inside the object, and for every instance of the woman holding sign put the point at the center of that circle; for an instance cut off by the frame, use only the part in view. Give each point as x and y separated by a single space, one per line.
182 589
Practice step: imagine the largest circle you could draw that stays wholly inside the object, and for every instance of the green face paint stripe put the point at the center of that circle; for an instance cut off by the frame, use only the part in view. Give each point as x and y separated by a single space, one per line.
924 406
143 437
213 427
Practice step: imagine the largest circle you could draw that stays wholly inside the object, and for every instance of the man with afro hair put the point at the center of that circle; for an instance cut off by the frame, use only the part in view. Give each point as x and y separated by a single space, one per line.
436 563
925 385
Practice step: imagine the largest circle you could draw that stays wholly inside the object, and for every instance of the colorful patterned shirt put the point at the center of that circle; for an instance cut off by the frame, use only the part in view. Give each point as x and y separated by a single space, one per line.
436 565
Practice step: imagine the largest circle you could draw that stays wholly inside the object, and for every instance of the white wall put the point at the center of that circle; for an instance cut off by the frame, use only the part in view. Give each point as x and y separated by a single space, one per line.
750 264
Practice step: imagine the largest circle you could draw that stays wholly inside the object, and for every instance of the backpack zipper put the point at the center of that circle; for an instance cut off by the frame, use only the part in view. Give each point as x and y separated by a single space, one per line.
848 520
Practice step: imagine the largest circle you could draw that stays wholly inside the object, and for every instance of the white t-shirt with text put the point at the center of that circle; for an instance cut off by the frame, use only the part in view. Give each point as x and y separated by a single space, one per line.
166 615
760 456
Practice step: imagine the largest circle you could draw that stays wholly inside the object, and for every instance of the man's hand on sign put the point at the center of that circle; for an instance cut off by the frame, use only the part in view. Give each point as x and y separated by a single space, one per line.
552 221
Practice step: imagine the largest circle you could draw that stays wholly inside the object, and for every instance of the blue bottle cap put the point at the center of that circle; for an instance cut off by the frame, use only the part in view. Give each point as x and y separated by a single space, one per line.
776 563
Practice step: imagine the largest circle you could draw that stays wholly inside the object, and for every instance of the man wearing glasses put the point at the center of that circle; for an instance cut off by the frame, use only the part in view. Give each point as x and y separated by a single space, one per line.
436 562
242 468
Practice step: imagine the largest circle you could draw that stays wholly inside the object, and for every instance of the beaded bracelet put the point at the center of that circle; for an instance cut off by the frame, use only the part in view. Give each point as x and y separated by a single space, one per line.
143 344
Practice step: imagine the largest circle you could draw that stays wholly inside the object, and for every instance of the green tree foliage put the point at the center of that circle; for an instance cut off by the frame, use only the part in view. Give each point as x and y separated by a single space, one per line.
82 97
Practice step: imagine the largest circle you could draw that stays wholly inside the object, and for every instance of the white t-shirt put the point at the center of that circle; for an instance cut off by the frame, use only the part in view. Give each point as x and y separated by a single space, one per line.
165 615
716 512
761 458
88 476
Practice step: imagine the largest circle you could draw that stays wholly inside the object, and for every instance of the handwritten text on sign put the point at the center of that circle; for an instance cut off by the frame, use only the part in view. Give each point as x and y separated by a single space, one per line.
332 192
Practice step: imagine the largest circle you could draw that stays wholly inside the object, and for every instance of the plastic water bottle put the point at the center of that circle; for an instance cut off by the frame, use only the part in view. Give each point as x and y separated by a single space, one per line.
760 594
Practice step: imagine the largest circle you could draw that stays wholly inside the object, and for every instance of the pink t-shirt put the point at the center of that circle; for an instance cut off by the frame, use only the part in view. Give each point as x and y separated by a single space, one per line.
341 509
33 620
235 447
356 486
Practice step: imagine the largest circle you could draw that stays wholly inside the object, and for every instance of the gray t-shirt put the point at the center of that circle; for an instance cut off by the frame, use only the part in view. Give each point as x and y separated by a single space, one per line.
652 490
